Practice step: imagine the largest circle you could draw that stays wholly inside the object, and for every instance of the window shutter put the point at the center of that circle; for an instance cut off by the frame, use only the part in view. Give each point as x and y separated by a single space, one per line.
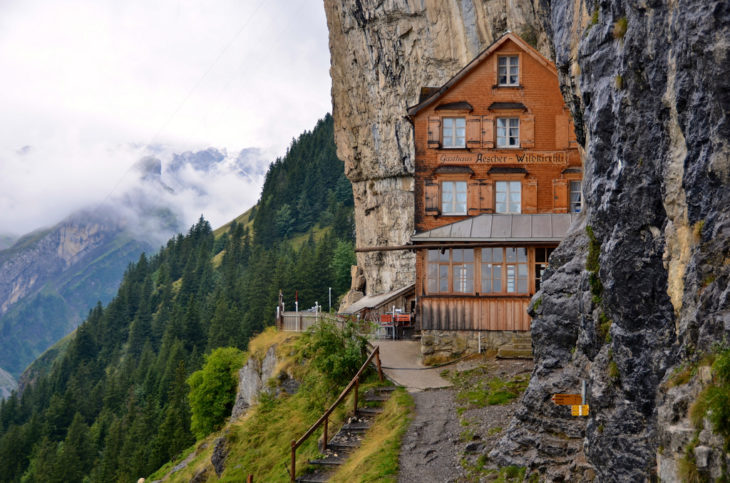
529 196
560 196
431 190
473 198
434 132
473 132
487 132
562 131
527 131
486 195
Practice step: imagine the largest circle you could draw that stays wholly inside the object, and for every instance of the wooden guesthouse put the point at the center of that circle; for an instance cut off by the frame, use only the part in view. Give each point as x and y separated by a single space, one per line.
497 185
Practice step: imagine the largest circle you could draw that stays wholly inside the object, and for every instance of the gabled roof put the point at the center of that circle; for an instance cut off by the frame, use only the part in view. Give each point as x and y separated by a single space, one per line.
549 227
430 95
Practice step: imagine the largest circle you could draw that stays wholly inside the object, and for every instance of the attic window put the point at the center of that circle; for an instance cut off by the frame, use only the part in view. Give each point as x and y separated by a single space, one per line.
508 70
454 134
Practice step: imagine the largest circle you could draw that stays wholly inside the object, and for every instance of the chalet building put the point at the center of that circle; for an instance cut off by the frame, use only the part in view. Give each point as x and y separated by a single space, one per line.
497 185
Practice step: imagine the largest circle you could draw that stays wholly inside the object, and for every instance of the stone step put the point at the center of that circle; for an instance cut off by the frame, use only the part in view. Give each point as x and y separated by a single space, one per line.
328 461
356 427
385 389
342 447
314 478
369 411
376 398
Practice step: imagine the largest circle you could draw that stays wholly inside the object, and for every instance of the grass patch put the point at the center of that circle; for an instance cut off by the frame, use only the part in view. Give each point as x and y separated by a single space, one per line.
613 371
475 389
494 430
620 27
377 458
604 327
713 402
619 82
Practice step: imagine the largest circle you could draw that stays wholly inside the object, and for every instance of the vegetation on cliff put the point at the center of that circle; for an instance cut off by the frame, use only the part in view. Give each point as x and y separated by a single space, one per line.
113 406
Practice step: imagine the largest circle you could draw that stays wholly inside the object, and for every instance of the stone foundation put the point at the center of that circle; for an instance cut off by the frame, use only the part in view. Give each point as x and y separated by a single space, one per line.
445 344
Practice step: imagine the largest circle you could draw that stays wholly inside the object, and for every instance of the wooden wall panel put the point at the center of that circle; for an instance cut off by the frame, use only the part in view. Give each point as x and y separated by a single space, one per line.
475 314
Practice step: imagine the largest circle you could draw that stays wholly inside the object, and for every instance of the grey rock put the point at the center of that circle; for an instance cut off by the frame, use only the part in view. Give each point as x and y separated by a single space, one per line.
218 458
702 456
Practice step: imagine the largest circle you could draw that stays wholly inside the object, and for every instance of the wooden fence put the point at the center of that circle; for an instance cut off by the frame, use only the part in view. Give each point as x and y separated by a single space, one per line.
301 321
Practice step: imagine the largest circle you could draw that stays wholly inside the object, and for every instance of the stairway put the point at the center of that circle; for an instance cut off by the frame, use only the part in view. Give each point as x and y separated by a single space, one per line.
519 348
348 438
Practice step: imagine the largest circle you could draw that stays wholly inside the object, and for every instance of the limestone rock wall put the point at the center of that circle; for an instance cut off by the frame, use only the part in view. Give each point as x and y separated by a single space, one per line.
383 52
649 88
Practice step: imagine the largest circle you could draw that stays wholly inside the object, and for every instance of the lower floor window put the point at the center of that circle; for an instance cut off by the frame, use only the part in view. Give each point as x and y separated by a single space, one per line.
499 270
459 262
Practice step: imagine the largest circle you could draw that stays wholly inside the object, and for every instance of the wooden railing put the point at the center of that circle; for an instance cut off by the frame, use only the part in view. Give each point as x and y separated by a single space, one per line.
354 383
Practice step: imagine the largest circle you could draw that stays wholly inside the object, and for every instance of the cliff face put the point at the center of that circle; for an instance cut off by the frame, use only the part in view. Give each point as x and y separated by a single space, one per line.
641 284
383 52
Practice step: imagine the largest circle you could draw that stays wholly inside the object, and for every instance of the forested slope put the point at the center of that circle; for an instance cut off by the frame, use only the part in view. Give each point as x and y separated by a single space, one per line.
113 406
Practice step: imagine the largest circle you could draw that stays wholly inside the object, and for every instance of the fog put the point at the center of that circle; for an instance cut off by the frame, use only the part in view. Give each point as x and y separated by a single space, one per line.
91 87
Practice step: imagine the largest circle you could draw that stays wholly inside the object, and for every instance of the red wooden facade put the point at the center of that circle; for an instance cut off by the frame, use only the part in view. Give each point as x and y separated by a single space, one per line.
497 176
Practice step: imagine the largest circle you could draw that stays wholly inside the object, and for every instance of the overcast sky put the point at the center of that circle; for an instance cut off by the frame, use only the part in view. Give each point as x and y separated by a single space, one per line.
86 85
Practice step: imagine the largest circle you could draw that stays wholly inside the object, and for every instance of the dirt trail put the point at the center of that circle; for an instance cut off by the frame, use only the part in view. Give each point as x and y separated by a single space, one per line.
440 445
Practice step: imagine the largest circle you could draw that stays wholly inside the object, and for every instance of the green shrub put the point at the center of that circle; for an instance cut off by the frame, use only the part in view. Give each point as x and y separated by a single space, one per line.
213 390
337 353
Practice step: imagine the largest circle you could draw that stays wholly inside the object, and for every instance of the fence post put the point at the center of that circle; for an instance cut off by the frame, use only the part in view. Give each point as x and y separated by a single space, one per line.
324 439
249 479
357 385
293 460
377 361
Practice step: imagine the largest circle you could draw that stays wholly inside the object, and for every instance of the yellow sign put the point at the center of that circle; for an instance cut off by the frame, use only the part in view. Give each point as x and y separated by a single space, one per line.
579 410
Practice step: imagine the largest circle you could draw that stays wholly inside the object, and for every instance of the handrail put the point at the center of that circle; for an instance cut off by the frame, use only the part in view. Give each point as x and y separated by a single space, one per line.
324 418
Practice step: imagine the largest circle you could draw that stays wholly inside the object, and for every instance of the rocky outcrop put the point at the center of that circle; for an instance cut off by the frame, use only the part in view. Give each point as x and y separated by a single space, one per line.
383 52
259 375
647 286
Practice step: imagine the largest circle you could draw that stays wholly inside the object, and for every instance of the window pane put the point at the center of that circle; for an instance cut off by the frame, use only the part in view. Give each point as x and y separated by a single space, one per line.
464 278
432 277
486 254
497 278
443 278
486 278
458 255
522 285
468 254
511 255
522 255
444 255
539 254
511 279
497 255
433 255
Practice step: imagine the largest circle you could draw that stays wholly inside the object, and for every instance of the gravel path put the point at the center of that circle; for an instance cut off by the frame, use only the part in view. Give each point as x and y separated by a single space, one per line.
442 446
430 450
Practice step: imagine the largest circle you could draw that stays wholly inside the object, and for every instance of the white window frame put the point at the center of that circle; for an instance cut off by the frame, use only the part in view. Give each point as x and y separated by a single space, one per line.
452 140
575 205
508 70
449 192
508 132
508 188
